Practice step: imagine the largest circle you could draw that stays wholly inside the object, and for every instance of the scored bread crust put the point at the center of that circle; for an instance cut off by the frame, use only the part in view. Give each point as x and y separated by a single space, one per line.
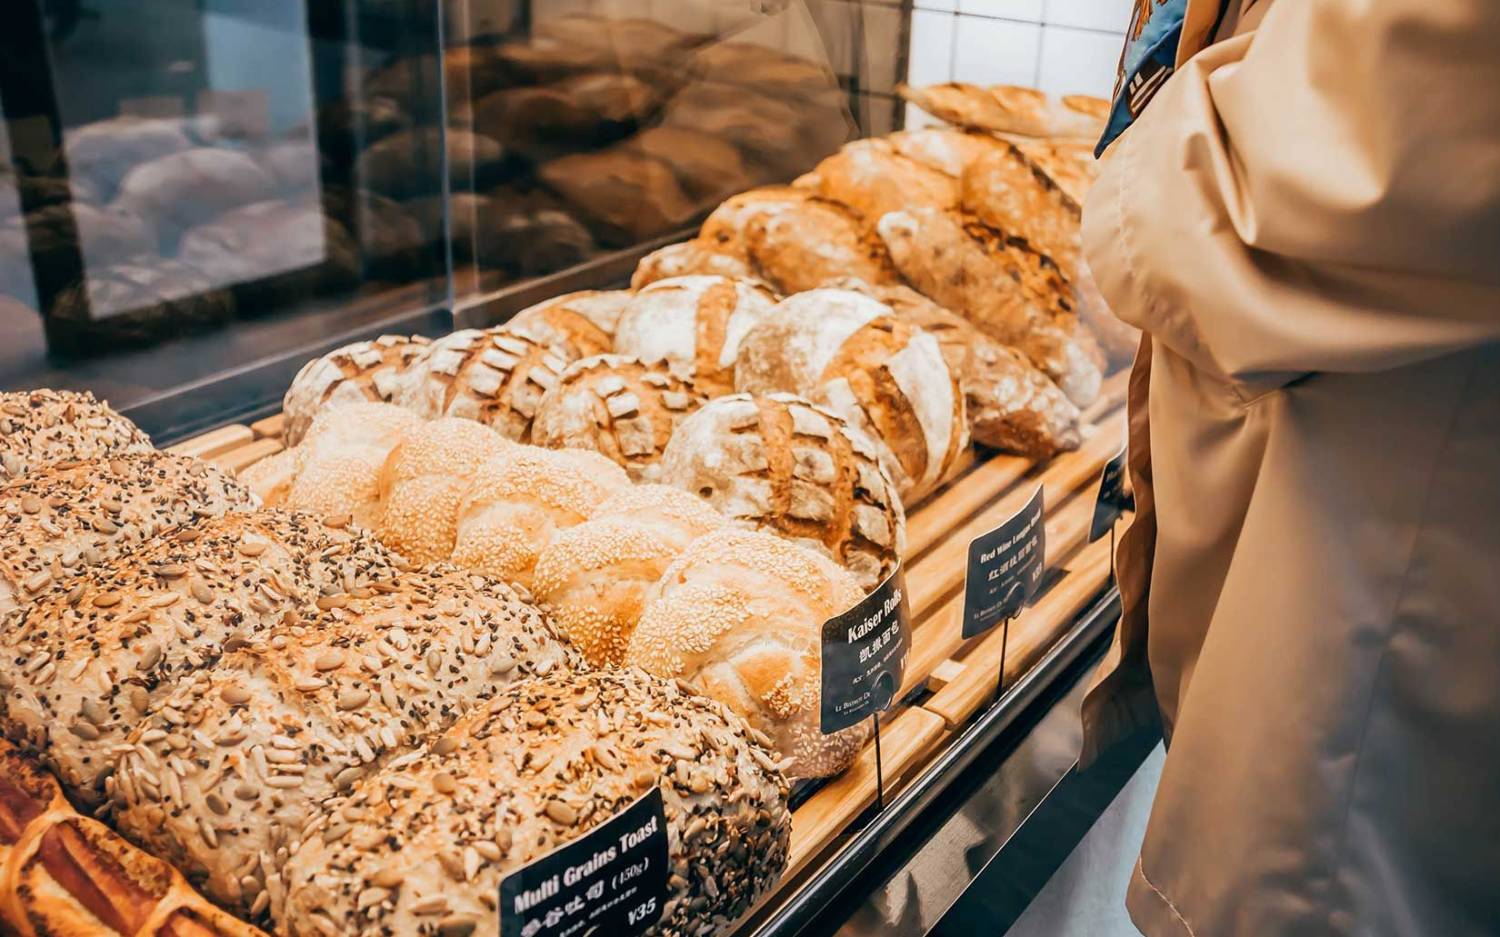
688 258
229 771
782 464
534 768
61 519
423 481
739 615
804 245
726 228
694 322
619 407
66 874
1069 164
1006 192
582 323
850 353
78 669
363 371
492 376
39 427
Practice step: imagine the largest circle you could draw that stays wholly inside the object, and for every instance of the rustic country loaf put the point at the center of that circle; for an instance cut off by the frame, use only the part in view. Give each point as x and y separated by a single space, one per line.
625 196
781 464
423 482
57 521
695 322
516 501
870 178
804 245
1004 190
593 578
227 773
537 766
688 258
944 149
852 354
618 407
726 228
66 874
1010 109
42 426
336 470
582 324
1068 163
79 669
494 376
739 615
363 371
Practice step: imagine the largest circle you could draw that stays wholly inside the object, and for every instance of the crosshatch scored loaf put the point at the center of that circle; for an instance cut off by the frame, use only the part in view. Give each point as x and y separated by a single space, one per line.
363 371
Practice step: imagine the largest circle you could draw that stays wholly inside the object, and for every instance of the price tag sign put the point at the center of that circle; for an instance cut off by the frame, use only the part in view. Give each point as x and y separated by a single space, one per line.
1112 500
1005 568
611 880
864 655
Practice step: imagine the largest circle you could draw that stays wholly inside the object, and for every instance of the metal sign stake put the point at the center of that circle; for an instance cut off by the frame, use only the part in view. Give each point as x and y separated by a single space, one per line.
879 768
1004 642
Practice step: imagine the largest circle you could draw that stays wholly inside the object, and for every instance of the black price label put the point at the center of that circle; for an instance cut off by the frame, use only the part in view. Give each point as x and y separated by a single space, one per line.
864 655
1113 500
611 880
1005 568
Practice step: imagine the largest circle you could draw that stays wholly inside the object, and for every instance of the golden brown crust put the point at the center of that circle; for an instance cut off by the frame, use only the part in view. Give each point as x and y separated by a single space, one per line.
688 258
694 322
494 376
870 179
1071 165
725 229
38 427
1005 191
363 371
627 196
805 245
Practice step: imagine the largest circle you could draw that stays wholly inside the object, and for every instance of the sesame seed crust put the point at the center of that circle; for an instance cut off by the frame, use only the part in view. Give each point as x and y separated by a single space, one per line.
38 427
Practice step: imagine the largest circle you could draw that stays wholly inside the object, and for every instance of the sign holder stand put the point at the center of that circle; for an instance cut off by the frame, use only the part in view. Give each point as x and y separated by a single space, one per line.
879 768
1004 642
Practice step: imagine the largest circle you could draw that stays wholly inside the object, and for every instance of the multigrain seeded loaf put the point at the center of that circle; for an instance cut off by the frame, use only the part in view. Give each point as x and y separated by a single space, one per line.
804 245
689 258
66 874
582 323
78 669
619 407
593 578
227 773
781 464
495 376
516 501
852 354
422 483
695 322
336 470
542 763
363 371
57 521
739 615
42 426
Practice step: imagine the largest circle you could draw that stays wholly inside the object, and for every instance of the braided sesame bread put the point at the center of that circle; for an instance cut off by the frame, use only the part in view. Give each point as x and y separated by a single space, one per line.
225 775
516 501
782 464
66 874
270 479
61 519
852 354
494 376
688 258
336 470
739 615
38 427
593 578
542 763
695 322
79 669
423 481
372 370
582 323
618 407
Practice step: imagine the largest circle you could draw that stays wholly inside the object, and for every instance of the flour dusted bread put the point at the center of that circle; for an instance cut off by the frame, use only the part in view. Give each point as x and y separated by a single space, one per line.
944 149
423 481
594 577
516 501
304 712
42 426
805 245
493 376
727 227
1007 192
619 407
1068 163
870 178
534 768
851 353
66 874
78 669
688 258
739 616
781 464
582 324
1010 109
363 371
60 520
695 322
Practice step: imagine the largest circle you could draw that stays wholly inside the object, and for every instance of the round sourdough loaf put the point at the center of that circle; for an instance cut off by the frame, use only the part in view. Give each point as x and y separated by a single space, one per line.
593 578
852 354
42 426
781 464
537 766
493 376
739 615
363 371
336 470
618 407
423 482
302 713
515 502
686 259
57 521
79 669
582 323
695 322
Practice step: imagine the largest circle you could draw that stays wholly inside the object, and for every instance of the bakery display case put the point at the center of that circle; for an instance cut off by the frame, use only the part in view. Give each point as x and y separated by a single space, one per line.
517 413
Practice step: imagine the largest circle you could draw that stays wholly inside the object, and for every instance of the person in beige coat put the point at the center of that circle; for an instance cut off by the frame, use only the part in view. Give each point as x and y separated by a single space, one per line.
1305 221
